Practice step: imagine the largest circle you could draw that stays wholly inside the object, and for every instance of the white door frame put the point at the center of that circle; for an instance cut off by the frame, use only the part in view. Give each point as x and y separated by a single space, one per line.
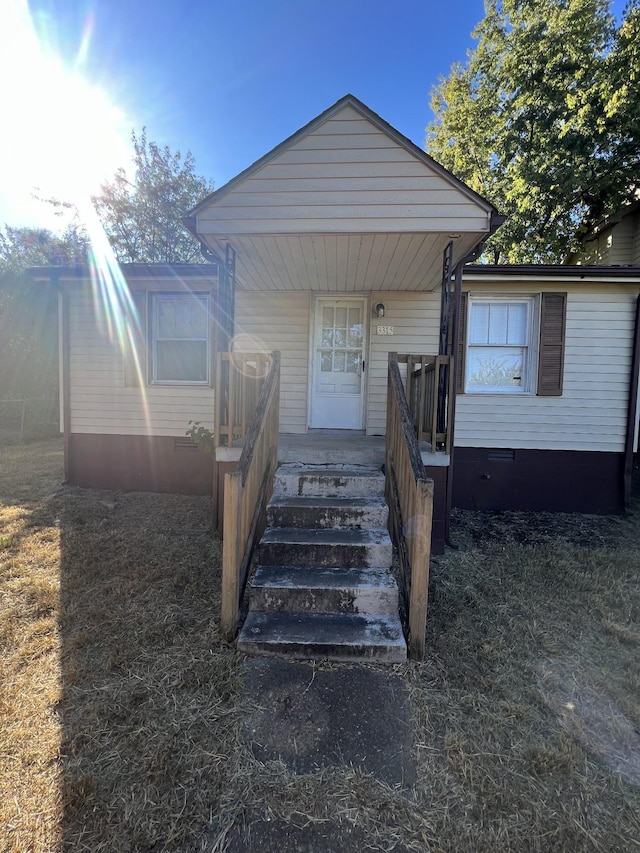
317 299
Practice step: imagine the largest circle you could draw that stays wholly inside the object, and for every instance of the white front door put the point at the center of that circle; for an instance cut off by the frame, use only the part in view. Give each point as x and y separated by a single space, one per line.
337 380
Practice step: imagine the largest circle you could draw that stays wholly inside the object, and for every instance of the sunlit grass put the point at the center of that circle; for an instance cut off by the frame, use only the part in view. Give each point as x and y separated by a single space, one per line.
30 661
123 717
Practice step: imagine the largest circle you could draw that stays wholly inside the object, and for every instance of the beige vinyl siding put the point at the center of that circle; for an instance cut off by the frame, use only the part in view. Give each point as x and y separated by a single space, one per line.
621 251
416 328
635 240
344 176
100 402
591 414
596 251
280 321
617 245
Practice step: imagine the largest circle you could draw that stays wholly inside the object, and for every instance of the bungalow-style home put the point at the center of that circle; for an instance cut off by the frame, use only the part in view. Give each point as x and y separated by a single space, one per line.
344 244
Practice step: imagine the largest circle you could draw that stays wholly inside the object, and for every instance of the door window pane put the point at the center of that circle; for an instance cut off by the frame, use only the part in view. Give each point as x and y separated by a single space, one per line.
353 362
326 359
354 335
354 316
339 362
327 337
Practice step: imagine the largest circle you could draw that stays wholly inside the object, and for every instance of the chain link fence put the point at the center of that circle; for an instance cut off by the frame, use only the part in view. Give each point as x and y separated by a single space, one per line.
29 419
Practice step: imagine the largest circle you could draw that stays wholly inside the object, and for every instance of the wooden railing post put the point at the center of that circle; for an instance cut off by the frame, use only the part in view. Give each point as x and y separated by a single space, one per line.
419 533
230 555
410 497
247 490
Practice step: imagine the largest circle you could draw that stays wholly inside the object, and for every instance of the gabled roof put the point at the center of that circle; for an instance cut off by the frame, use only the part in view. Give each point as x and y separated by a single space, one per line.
345 204
365 112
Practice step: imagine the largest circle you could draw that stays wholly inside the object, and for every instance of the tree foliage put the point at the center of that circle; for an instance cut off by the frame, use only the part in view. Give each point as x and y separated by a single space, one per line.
28 310
21 248
142 218
142 214
543 121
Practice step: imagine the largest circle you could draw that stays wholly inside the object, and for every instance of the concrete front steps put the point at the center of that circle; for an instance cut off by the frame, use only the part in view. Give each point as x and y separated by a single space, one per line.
324 587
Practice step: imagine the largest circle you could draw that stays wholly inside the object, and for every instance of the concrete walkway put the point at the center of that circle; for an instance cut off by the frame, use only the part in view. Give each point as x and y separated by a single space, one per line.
310 717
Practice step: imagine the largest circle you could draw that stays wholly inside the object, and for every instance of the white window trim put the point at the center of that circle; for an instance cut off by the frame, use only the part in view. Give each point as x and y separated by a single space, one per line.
156 297
529 385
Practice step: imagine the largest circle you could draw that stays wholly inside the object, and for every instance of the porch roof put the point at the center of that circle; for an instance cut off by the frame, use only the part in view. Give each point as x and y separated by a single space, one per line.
346 204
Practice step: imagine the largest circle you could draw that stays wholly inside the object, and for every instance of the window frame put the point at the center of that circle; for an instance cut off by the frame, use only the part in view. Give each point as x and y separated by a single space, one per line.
528 386
156 298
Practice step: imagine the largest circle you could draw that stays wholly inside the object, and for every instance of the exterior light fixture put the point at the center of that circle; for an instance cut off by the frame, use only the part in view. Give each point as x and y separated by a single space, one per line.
379 309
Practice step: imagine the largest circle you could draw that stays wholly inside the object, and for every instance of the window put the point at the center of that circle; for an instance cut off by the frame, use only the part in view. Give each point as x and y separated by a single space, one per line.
511 344
180 338
500 350
341 339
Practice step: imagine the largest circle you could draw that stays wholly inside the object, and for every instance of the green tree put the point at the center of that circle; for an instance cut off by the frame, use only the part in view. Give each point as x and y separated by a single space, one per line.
21 248
543 121
28 310
142 214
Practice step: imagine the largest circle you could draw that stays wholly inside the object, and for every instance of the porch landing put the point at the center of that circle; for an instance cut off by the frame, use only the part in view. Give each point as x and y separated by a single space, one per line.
340 446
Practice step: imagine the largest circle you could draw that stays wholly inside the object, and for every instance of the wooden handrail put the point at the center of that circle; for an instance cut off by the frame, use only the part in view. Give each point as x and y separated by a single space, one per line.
429 392
239 380
409 494
246 492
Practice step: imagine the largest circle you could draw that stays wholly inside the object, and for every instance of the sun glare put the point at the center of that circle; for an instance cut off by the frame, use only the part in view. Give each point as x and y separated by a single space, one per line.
62 136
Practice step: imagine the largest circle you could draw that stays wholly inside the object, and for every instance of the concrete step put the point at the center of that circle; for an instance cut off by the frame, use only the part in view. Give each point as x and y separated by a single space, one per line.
328 480
324 590
324 635
292 546
349 512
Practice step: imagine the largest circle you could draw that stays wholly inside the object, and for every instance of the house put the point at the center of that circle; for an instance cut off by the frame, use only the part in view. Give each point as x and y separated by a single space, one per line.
614 241
342 245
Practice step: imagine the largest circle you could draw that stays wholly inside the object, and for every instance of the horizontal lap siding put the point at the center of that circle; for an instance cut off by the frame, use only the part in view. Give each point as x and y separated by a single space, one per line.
346 175
591 414
635 240
280 321
621 251
619 244
100 402
416 326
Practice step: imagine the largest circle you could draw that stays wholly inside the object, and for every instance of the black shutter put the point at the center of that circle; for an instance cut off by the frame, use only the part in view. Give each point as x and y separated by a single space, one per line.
553 317
462 344
135 353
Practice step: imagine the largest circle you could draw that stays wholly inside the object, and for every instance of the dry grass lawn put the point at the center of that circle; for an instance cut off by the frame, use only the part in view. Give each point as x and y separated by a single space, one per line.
121 718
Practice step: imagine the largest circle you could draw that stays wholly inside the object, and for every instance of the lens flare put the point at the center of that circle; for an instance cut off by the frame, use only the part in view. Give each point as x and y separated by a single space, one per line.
62 138
62 135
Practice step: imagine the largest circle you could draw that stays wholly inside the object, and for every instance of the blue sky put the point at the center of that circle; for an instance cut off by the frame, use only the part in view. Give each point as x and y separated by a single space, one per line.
230 80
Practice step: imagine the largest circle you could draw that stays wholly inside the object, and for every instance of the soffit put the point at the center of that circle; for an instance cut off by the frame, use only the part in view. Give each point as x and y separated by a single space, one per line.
342 263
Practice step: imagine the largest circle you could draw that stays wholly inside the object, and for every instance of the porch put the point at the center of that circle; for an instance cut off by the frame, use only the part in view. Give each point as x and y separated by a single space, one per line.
339 446
419 400
428 391
342 447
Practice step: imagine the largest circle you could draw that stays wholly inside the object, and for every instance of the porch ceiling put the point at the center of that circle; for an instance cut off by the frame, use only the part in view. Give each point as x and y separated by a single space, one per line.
342 263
